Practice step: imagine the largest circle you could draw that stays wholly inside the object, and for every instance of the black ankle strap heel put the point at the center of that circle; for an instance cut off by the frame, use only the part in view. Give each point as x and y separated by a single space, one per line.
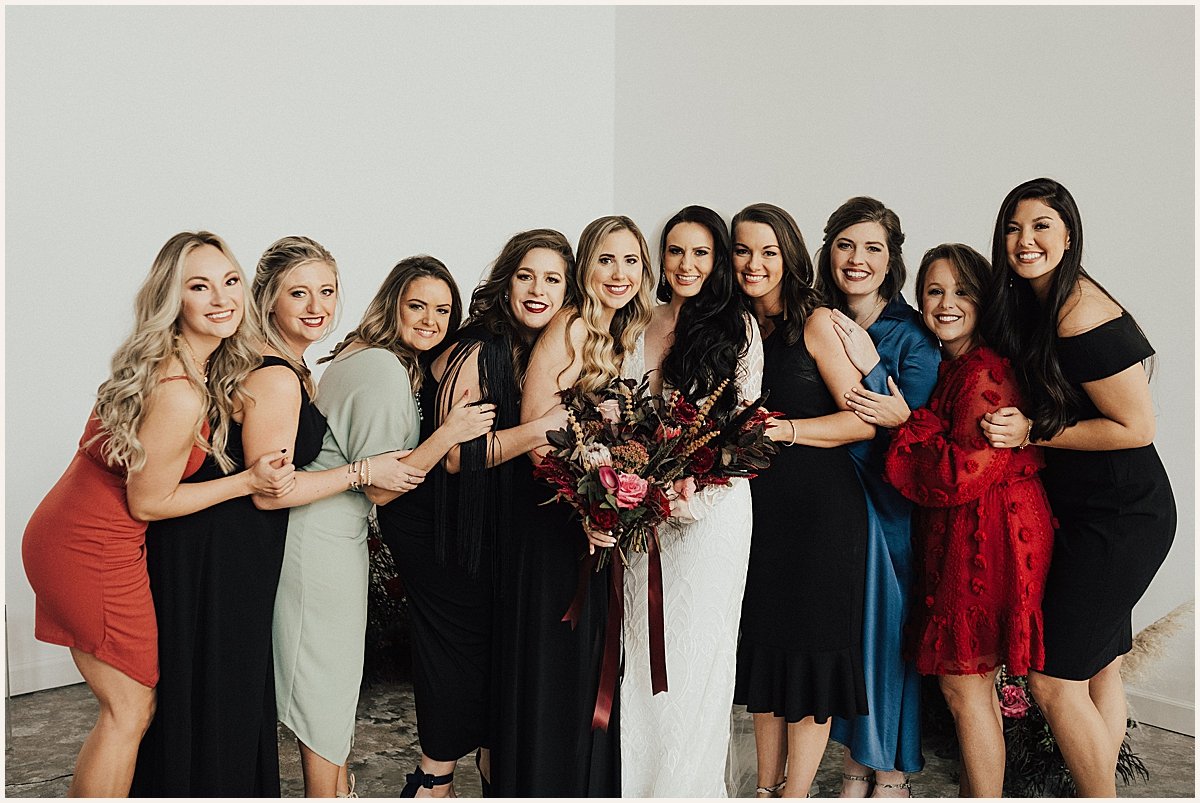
418 778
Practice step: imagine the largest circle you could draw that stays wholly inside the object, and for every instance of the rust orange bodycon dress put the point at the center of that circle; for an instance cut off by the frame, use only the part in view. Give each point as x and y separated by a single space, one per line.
85 557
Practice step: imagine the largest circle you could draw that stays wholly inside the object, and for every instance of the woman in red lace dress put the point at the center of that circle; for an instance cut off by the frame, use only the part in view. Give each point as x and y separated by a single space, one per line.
982 526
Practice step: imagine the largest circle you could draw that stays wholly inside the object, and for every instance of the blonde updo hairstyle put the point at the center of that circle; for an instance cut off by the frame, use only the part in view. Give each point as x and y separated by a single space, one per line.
138 365
280 258
604 348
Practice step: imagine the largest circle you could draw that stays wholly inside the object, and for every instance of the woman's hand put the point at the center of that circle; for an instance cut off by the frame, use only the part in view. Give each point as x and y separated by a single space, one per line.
879 409
601 538
467 421
679 493
780 430
555 418
1007 428
272 474
391 473
858 344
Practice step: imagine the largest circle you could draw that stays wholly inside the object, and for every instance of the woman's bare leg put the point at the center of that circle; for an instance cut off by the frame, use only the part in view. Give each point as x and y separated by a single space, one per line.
105 764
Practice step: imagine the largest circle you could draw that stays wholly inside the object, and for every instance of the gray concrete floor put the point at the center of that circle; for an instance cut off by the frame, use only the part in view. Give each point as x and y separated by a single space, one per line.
44 731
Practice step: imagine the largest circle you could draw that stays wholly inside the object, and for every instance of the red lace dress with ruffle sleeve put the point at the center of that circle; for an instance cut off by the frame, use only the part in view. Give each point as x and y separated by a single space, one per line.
983 529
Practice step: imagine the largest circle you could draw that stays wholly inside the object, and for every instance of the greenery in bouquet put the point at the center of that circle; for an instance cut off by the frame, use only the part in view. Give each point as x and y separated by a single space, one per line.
623 447
1034 764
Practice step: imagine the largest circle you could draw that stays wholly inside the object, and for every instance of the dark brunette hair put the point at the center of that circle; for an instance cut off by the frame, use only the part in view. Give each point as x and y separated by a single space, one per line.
710 333
796 288
861 209
489 306
1020 327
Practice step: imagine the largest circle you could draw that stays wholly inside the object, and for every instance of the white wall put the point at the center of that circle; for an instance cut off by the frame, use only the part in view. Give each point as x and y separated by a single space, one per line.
939 111
381 132
388 131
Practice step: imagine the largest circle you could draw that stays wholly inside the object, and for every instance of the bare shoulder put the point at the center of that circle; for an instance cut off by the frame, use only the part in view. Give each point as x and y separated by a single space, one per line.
818 329
1087 308
273 379
176 399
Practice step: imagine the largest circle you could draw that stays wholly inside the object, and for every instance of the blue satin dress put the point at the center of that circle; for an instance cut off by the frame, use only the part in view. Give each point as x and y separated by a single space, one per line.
889 736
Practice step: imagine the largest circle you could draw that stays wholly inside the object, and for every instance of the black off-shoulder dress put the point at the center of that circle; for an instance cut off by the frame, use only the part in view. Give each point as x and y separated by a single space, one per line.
1116 515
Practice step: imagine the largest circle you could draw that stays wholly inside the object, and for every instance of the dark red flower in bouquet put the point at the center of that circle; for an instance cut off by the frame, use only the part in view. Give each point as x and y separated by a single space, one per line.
685 412
702 461
603 518
658 502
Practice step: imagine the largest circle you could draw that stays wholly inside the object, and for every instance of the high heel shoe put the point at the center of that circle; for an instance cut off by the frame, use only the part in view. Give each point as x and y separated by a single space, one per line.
418 778
349 787
484 783
770 791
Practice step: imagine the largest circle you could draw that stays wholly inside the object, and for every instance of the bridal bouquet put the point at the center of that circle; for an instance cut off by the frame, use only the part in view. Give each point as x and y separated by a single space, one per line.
623 448
616 462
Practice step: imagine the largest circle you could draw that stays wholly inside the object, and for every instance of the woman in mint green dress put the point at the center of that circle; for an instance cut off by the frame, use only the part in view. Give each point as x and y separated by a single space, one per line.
368 395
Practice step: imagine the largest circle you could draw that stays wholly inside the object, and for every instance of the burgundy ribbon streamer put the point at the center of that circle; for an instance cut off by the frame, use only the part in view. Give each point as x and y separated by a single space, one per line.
612 647
654 603
585 571
610 662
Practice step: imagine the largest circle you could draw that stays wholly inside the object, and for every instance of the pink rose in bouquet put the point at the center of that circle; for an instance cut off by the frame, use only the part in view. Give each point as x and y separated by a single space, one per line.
631 490
1013 702
610 410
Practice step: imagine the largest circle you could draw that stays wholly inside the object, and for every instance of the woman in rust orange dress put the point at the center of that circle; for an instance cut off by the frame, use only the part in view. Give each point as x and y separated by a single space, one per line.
172 386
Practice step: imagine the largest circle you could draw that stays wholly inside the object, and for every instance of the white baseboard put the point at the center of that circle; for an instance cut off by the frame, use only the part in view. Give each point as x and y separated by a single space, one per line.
47 673
1161 712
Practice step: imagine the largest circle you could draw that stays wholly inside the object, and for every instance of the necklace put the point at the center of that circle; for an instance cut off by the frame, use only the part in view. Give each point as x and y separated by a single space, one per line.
866 322
202 368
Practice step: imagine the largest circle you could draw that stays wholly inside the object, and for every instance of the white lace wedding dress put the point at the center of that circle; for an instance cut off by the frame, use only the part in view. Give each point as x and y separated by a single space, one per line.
675 744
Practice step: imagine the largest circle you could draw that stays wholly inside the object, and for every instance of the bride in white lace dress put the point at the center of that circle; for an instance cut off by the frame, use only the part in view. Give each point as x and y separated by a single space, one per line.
675 744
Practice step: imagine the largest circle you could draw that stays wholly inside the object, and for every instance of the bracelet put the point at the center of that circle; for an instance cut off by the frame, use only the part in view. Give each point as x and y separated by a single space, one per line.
367 461
1028 432
352 474
792 424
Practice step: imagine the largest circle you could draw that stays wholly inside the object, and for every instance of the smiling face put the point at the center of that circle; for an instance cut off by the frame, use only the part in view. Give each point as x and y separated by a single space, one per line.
1035 239
687 258
859 259
758 262
947 308
307 301
212 298
537 288
615 274
423 313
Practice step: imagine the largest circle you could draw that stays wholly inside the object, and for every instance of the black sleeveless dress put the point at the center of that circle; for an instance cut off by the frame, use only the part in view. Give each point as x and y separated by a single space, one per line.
545 673
1116 516
449 607
800 646
213 575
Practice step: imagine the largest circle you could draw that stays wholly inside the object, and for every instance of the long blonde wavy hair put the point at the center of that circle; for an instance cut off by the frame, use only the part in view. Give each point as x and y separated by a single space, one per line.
280 258
601 359
380 324
136 365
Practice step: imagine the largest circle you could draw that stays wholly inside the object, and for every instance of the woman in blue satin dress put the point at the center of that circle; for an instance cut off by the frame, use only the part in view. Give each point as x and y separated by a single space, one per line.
860 272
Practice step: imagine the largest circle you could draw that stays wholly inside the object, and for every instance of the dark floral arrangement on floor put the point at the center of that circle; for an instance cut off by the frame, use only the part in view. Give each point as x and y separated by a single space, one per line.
388 655
1034 765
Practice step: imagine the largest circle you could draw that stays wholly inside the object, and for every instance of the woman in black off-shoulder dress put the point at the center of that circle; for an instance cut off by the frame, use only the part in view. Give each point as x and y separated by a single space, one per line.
1080 359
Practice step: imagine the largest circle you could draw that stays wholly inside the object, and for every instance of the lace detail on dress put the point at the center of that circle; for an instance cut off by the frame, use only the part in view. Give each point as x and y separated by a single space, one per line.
675 744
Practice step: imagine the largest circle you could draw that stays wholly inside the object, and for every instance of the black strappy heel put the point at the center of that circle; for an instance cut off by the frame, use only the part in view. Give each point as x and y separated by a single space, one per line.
418 778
